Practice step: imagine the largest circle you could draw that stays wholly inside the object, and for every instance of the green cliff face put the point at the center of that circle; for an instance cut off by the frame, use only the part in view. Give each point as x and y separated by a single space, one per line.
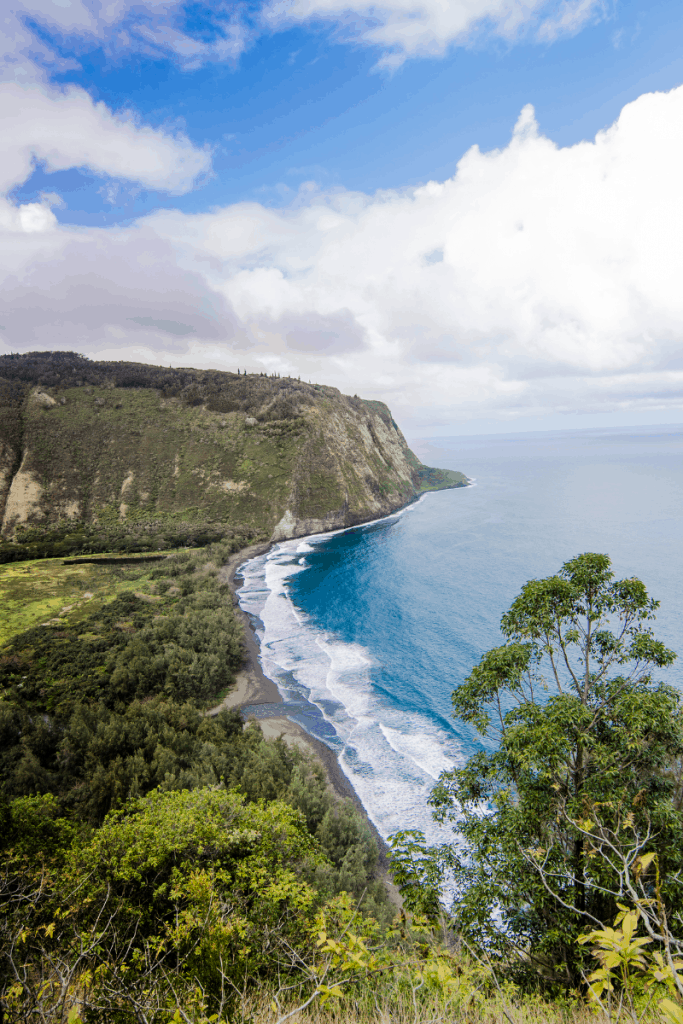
130 455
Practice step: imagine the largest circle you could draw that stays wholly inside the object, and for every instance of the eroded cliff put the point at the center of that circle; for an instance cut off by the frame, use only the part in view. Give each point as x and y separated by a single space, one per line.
107 451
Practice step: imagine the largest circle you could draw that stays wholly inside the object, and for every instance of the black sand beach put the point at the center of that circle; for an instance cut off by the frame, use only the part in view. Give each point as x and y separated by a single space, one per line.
253 687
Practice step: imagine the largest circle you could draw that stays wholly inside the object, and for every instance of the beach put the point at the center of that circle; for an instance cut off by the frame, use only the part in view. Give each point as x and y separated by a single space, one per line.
253 687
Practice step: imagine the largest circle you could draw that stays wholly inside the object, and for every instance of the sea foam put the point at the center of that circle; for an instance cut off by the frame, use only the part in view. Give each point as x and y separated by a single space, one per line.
390 756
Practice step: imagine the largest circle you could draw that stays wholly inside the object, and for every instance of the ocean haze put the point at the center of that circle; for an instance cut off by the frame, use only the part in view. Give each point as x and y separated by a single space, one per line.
367 631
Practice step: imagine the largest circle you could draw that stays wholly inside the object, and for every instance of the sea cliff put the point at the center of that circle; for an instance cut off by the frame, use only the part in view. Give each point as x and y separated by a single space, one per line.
102 455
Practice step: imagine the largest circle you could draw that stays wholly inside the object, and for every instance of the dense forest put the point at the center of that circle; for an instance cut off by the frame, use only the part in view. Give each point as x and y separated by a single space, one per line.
163 863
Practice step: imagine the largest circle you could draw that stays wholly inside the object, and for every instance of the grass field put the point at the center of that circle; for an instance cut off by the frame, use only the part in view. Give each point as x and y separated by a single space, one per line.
38 591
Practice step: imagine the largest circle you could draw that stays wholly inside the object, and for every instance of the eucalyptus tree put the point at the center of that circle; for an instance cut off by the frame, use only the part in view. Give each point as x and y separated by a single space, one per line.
578 774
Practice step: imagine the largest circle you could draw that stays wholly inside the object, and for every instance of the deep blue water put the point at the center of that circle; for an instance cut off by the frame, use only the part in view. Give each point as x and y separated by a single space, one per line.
367 631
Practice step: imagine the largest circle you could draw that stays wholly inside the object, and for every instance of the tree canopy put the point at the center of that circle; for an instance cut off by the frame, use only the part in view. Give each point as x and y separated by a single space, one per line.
587 747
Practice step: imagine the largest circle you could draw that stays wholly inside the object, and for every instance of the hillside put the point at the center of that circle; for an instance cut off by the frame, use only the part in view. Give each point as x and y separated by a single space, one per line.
116 455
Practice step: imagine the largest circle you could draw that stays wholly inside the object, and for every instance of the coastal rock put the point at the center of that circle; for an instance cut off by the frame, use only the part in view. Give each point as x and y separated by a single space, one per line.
285 528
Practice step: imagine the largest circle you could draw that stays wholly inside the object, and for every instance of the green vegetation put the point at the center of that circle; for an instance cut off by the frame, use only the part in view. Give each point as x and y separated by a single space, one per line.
161 865
105 456
586 742
436 479
172 903
159 862
140 834
44 589
570 818
131 538
88 694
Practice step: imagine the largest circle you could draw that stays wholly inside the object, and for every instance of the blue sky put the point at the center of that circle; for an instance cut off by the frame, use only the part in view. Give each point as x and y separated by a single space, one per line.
298 106
257 157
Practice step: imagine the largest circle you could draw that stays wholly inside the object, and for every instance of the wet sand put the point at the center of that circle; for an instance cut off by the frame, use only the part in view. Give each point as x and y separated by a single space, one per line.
253 687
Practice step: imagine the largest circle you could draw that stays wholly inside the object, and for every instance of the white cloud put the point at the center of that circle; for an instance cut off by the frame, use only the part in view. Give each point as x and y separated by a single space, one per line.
427 28
153 27
65 128
399 28
537 279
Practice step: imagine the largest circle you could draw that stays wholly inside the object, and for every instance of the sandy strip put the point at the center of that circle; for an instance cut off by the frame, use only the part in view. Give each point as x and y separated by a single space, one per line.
253 687
294 734
277 727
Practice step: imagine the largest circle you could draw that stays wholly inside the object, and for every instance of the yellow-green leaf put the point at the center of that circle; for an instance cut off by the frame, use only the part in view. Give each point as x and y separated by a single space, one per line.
671 1011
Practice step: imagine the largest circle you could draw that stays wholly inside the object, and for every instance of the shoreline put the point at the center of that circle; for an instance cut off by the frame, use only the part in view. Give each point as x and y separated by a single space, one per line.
252 686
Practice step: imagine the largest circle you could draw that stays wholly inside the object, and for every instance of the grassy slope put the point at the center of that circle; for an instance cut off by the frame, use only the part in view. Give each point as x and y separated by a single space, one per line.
121 456
45 591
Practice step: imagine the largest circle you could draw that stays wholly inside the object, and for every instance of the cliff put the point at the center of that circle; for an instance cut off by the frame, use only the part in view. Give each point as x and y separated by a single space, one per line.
126 455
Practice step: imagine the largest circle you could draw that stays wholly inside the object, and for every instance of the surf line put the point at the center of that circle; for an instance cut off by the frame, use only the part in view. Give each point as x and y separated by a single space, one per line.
327 688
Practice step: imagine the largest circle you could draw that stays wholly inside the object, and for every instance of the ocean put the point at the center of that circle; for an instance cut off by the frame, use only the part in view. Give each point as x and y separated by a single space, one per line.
367 631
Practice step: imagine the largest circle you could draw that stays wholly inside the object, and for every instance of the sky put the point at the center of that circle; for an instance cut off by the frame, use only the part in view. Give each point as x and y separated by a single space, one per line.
469 209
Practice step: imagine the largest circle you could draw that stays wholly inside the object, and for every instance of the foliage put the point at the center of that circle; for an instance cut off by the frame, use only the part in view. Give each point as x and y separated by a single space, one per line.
82 695
133 898
107 704
419 872
164 894
161 864
349 959
107 758
129 457
227 391
631 979
180 900
158 602
79 538
620 953
585 745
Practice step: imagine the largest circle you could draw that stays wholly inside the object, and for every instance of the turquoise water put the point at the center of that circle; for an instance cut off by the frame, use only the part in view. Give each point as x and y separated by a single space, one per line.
367 631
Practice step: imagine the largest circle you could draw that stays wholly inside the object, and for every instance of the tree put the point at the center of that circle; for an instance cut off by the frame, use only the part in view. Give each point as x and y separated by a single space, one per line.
182 896
584 750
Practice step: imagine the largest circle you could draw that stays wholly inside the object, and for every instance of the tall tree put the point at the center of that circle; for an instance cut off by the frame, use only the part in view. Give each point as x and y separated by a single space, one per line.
581 746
